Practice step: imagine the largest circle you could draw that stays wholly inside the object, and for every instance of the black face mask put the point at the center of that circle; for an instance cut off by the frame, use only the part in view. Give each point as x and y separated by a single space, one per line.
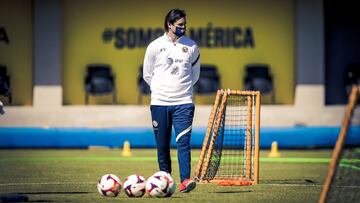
179 31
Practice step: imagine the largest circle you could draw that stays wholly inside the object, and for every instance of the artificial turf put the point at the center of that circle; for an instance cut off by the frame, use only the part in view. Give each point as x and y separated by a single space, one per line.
70 175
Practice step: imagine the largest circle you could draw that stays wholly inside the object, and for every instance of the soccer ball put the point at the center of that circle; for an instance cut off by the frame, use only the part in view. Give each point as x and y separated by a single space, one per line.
170 179
109 185
134 186
157 186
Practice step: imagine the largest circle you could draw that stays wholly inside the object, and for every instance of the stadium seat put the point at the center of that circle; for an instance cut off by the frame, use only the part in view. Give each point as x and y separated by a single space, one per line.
5 83
99 80
352 76
258 78
143 87
209 81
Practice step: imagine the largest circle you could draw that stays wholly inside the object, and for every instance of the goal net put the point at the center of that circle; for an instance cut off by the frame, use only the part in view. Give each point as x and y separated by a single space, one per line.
230 151
342 183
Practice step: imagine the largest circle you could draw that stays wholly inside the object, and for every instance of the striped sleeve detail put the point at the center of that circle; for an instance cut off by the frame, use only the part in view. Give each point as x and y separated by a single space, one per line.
195 61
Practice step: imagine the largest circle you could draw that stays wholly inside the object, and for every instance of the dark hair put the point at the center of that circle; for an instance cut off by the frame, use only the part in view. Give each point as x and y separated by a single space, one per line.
173 16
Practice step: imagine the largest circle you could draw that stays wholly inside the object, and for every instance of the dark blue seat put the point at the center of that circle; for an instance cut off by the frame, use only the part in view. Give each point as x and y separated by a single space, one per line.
99 80
352 77
259 78
143 87
209 81
5 83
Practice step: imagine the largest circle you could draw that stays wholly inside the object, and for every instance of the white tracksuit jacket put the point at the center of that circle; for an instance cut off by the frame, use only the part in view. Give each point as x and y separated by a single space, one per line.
171 69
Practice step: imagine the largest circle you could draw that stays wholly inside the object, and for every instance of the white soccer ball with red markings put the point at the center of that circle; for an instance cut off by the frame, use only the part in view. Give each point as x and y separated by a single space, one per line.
171 181
157 186
134 186
109 185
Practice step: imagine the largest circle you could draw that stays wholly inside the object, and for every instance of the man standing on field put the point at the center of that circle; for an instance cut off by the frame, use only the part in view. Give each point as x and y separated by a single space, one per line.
171 68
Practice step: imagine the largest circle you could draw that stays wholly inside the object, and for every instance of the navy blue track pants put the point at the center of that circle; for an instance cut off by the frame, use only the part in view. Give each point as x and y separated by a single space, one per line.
181 117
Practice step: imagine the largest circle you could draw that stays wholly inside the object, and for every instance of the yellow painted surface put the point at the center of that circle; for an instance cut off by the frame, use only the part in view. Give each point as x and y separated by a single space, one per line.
16 20
84 22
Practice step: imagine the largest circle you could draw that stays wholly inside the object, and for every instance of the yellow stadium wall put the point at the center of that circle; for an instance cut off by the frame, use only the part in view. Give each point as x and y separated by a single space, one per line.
16 26
84 23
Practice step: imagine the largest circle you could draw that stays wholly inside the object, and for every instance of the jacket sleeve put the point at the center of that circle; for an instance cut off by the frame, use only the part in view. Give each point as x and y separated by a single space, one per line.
148 65
195 64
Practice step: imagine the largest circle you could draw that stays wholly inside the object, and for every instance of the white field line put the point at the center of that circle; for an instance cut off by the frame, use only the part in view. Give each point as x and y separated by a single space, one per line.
310 185
86 183
52 183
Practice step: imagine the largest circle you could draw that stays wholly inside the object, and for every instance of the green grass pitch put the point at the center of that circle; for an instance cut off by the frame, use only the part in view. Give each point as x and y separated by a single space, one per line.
71 175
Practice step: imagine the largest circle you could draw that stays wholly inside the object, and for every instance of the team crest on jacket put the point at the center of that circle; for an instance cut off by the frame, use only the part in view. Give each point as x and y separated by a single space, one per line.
185 49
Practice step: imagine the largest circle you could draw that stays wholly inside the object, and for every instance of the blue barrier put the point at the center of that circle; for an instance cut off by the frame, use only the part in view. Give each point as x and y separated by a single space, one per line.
287 137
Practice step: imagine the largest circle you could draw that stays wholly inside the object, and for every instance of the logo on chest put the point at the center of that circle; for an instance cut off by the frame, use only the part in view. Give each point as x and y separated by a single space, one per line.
175 70
169 61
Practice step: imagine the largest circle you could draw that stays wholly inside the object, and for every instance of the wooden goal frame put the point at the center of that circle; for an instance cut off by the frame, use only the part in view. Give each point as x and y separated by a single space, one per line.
251 145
